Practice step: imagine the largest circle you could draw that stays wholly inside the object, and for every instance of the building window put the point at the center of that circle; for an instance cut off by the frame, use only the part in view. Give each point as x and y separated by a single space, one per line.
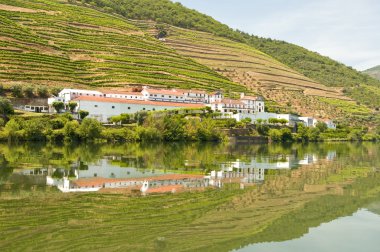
170 96
162 96
154 109
93 94
129 107
113 107
96 106
143 108
155 95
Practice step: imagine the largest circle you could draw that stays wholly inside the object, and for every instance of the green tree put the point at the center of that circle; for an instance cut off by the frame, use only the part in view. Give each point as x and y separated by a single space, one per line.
43 92
174 128
283 121
83 114
29 91
321 126
11 128
17 91
90 129
36 129
275 135
71 131
58 106
6 108
286 135
72 106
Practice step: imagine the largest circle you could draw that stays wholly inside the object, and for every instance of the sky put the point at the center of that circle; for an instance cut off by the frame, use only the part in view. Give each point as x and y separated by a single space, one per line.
344 30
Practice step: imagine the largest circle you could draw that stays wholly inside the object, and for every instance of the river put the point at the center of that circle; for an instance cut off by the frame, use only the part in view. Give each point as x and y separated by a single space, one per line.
271 197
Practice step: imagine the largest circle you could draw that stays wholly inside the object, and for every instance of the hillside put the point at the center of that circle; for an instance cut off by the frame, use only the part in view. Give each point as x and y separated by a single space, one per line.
373 72
324 70
54 43
113 44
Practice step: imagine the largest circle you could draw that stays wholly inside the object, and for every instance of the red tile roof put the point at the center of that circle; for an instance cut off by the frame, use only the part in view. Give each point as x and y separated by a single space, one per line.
230 101
153 103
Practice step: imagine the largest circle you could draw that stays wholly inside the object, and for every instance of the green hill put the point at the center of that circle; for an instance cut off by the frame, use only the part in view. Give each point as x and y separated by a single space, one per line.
373 72
112 43
312 65
55 43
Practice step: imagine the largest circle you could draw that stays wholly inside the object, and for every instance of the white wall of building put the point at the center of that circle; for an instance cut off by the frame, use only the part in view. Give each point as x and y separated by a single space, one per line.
103 110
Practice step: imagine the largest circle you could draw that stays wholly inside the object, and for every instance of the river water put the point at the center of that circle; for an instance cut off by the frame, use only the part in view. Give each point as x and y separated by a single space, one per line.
299 197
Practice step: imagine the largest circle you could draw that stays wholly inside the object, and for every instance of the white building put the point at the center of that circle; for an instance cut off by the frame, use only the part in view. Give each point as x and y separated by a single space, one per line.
330 125
102 108
125 95
309 121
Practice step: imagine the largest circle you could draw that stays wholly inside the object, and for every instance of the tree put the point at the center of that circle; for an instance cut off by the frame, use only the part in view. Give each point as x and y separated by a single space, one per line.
11 128
275 135
71 130
83 114
58 106
29 91
55 91
17 91
90 129
273 120
43 92
72 106
6 108
321 126
283 121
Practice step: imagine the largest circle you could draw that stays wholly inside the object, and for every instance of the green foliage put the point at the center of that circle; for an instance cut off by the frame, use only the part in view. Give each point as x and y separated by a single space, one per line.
71 131
58 106
90 129
121 119
280 135
6 108
12 128
83 114
72 106
43 92
321 126
29 91
17 91
36 129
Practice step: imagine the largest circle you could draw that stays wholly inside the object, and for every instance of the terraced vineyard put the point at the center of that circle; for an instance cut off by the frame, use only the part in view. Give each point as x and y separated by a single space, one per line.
264 75
54 43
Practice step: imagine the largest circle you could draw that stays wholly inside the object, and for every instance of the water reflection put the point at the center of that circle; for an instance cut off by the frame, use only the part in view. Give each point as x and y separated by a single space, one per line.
289 191
28 165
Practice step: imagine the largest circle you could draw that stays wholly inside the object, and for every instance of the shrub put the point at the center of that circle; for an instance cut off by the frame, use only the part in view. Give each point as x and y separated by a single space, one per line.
90 129
43 92
17 91
29 91
71 131
72 106
83 114
58 106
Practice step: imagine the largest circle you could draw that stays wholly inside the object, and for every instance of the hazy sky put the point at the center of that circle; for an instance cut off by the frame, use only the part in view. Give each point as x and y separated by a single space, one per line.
345 30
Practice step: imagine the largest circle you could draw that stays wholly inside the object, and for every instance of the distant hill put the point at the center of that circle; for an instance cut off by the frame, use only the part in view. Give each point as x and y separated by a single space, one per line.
113 43
374 72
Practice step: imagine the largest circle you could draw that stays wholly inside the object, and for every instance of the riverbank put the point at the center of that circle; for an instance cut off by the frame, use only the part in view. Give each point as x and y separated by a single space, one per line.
170 127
